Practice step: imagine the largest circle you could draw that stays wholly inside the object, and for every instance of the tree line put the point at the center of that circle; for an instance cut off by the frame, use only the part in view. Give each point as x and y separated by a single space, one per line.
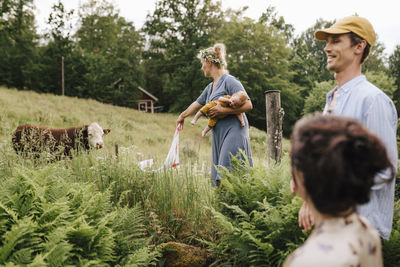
264 54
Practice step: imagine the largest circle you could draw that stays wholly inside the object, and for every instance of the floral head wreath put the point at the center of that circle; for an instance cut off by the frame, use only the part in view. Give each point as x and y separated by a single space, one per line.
210 57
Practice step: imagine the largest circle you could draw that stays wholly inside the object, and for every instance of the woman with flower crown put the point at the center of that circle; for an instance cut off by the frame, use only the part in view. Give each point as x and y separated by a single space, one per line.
229 137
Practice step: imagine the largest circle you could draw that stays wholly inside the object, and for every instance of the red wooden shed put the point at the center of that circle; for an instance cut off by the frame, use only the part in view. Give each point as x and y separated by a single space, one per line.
146 101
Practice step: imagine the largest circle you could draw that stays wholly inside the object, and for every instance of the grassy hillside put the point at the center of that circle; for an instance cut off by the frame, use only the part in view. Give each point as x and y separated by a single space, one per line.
96 198
141 134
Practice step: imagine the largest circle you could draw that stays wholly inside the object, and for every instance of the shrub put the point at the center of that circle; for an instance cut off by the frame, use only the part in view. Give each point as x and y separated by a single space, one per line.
45 219
391 247
315 101
257 215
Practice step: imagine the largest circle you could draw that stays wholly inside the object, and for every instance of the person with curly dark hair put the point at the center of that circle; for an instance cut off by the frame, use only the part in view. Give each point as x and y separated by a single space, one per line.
334 161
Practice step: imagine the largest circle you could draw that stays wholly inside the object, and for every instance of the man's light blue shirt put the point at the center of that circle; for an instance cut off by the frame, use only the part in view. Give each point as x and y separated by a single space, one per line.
362 100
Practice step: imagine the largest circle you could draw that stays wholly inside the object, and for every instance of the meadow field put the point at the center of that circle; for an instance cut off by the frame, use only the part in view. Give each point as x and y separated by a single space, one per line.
98 209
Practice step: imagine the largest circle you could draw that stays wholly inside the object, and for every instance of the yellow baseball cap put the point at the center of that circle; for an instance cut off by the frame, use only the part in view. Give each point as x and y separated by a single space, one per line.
358 25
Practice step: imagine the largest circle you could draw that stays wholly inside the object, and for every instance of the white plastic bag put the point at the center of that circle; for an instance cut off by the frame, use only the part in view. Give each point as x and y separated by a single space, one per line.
147 163
172 160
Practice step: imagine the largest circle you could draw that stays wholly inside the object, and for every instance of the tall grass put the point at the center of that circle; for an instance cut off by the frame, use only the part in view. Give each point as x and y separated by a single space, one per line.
172 201
173 198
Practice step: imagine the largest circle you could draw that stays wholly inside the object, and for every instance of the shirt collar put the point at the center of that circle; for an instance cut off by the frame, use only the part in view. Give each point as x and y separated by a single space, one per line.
347 86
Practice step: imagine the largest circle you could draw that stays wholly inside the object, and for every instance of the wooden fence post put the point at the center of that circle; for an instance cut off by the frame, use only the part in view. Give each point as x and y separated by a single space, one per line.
274 115
116 151
62 76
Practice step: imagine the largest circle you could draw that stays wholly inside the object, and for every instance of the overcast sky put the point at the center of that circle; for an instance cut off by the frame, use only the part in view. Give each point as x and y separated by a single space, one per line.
302 14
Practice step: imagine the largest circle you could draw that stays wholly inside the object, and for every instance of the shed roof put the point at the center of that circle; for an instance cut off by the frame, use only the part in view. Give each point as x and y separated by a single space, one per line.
147 93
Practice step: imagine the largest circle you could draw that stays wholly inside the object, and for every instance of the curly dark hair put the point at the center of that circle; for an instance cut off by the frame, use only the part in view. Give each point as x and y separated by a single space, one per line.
339 159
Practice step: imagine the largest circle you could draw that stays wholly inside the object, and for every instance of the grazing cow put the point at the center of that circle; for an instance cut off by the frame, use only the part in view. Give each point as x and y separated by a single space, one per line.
34 139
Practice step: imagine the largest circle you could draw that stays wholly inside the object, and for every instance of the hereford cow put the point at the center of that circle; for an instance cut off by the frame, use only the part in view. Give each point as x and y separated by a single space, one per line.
34 140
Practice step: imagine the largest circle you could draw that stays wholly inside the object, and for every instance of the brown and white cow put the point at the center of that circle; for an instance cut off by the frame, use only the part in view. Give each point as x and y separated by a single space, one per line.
34 140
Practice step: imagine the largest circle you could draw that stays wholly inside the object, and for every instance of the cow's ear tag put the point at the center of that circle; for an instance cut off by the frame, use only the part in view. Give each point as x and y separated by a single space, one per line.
106 131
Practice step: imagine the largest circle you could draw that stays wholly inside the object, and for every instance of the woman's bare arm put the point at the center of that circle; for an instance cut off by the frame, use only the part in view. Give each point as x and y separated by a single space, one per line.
189 111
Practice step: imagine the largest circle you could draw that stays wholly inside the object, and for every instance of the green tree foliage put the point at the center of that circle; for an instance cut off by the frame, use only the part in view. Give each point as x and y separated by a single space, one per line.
394 70
309 60
18 41
376 58
259 58
177 30
383 81
60 45
99 22
109 50
106 49
316 99
270 16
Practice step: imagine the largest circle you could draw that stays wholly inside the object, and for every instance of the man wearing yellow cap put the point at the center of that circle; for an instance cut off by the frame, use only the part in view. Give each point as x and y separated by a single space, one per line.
348 44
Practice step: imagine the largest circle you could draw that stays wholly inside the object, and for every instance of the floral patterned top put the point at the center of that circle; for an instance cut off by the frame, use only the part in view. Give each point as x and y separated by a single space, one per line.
341 241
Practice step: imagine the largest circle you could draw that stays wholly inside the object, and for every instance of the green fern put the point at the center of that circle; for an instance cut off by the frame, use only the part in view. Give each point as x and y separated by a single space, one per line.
143 257
18 242
8 217
47 220
57 251
258 215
